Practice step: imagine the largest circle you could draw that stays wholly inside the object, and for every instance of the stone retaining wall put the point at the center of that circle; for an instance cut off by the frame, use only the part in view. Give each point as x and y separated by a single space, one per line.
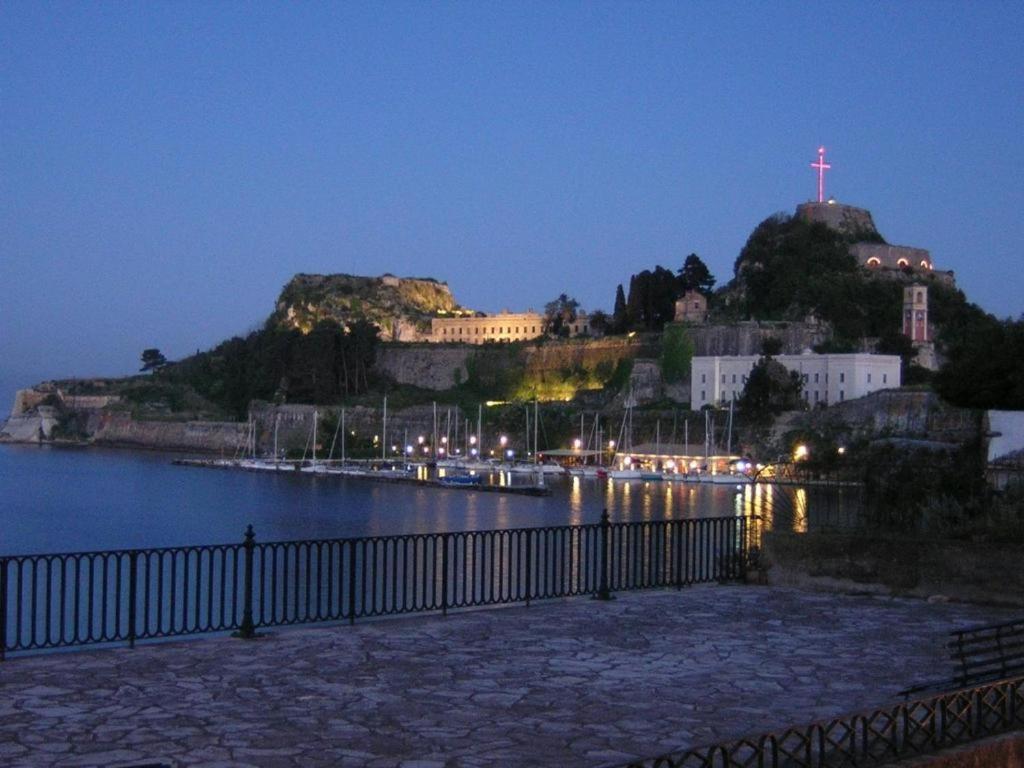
983 572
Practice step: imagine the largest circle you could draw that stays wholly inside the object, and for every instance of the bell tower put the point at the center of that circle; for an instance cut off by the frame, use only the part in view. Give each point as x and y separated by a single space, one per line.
915 313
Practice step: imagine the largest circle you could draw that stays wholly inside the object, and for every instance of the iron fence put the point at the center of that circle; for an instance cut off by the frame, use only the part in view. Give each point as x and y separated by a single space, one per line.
70 599
870 738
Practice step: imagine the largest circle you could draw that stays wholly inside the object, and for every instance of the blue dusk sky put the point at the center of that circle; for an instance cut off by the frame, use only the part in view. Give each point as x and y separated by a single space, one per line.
166 167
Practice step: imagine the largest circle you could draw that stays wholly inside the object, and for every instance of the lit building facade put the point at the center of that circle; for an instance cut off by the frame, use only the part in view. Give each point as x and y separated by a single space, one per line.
826 379
504 326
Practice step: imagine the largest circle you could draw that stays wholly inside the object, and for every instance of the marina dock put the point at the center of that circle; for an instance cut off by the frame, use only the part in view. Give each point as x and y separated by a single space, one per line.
294 467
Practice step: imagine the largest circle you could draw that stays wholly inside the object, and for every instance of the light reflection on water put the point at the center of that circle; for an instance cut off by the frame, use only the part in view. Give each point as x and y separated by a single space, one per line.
57 500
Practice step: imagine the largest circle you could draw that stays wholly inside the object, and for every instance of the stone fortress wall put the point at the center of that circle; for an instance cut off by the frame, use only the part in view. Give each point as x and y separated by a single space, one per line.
867 246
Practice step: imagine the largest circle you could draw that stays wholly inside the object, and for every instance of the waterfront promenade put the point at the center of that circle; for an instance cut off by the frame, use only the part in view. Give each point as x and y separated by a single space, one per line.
565 682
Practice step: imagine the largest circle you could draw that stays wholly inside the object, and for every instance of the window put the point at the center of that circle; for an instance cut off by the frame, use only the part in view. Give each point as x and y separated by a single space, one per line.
842 378
842 395
734 378
723 378
804 378
885 378
703 395
703 378
815 378
807 396
815 395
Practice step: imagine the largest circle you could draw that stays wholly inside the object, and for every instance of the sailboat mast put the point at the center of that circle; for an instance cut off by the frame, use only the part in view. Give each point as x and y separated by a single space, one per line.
536 421
384 430
433 444
343 435
479 431
277 422
315 417
728 432
526 414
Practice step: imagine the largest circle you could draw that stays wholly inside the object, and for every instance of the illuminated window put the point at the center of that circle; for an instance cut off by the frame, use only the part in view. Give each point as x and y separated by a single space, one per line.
924 264
902 263
873 262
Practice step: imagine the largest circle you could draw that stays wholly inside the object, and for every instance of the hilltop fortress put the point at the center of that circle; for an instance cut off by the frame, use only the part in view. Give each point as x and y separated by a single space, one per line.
868 246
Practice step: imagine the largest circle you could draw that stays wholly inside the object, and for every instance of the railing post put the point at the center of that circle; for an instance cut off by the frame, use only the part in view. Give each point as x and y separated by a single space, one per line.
132 595
604 537
247 629
352 581
529 565
444 574
3 607
743 548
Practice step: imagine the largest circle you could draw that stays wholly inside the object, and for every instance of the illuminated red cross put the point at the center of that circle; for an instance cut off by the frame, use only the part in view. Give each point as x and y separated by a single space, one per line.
822 166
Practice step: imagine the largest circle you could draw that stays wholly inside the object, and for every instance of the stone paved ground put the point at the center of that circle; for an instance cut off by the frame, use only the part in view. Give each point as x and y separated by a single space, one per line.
566 683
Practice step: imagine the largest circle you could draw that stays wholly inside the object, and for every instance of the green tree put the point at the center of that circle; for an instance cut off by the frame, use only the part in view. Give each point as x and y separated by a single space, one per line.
560 314
695 276
984 365
599 323
619 319
152 360
652 298
676 353
770 389
771 345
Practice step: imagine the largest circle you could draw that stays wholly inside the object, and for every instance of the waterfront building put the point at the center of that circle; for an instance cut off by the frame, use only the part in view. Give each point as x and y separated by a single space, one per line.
826 379
504 326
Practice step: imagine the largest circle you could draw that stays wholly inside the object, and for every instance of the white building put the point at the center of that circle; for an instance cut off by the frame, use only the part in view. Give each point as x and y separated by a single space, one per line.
826 378
505 326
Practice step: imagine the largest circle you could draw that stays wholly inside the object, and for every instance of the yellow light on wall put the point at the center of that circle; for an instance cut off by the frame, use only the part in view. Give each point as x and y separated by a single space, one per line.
800 453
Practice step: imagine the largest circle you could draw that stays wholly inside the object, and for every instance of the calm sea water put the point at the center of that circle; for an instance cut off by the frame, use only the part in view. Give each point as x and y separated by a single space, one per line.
72 499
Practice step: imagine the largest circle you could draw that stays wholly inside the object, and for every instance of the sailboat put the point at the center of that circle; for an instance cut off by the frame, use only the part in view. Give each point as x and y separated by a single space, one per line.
730 476
653 473
313 466
626 472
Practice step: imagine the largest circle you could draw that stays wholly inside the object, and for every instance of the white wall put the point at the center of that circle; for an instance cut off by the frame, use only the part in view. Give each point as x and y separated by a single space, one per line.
827 378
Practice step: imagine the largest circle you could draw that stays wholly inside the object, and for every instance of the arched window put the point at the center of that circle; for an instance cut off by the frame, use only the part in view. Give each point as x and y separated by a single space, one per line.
925 264
902 263
874 261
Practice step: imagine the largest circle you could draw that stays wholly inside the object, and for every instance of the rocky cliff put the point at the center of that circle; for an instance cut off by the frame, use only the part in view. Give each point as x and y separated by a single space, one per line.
400 306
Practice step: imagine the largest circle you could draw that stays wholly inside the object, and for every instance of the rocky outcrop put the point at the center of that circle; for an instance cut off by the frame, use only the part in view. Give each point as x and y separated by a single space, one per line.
33 426
398 306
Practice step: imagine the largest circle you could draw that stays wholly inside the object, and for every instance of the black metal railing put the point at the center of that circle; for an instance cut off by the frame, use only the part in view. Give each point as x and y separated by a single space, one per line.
870 738
58 600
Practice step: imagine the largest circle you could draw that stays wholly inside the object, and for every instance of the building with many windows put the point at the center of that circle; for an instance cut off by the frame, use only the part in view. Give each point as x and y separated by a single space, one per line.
826 379
504 326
